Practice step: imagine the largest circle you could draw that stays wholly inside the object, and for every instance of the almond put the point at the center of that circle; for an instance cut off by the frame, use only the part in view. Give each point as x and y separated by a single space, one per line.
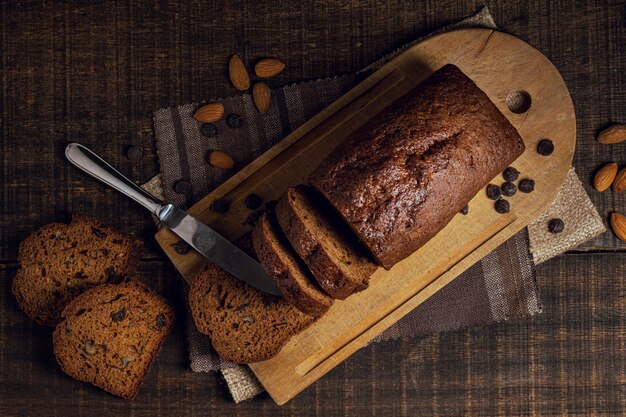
268 67
618 224
219 159
619 183
605 176
238 73
261 96
211 112
612 134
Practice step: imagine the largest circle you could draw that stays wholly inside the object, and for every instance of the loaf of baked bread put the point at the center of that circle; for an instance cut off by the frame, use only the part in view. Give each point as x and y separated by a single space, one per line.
291 275
59 261
400 178
325 244
110 335
244 324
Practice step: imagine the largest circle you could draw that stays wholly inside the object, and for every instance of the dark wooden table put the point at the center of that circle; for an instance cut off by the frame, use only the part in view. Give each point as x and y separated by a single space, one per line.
94 71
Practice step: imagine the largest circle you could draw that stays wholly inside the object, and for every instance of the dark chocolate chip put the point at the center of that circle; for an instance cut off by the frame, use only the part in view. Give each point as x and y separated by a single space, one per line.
182 187
234 120
502 206
79 275
510 174
493 192
134 153
181 248
253 201
110 272
527 185
508 189
98 232
220 206
545 147
160 321
464 210
105 252
208 129
118 315
242 306
556 226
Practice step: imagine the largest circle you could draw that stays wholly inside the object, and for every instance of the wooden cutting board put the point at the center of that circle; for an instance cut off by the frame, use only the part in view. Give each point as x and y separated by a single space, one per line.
508 70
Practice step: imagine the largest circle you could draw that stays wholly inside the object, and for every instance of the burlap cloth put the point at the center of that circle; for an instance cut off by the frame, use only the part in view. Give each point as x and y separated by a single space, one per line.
499 287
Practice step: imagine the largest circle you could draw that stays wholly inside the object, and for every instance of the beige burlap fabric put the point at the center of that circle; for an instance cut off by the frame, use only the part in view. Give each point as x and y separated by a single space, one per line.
502 284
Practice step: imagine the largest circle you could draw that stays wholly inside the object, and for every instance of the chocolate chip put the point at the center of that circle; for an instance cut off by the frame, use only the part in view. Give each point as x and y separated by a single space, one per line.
181 248
510 174
493 192
508 189
105 252
464 210
134 153
80 275
556 226
502 206
527 185
110 272
545 147
253 201
220 206
118 315
234 121
242 306
160 321
182 187
208 129
98 232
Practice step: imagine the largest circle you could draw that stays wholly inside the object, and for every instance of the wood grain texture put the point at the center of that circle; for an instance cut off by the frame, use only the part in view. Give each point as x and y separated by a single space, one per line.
94 71
568 360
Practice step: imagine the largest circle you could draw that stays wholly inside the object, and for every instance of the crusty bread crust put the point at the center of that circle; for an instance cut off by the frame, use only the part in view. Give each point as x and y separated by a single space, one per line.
401 177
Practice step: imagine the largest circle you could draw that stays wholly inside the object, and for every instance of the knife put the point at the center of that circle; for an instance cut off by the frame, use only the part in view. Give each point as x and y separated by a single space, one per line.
198 235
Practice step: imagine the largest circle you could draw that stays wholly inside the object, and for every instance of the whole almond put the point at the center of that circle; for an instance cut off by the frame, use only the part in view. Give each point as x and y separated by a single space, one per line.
211 112
605 176
238 73
261 96
268 67
619 183
618 224
221 160
612 134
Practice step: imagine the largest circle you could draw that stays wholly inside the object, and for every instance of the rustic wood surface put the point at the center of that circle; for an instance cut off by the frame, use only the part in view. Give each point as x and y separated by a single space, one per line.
94 71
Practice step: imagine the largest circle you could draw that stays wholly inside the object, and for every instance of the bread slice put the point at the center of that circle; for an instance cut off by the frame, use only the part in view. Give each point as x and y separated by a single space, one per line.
60 261
291 275
326 245
109 336
244 324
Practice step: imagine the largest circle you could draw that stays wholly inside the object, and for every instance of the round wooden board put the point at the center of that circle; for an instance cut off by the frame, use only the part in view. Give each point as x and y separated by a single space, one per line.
500 64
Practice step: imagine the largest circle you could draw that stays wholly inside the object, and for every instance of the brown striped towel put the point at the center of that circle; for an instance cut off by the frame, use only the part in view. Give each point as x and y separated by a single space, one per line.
499 287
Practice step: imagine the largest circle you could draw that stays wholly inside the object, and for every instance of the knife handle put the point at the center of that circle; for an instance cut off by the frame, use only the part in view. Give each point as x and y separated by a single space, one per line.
87 161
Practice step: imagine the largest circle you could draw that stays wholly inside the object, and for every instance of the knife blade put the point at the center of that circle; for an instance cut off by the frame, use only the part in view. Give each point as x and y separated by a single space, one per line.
198 235
218 249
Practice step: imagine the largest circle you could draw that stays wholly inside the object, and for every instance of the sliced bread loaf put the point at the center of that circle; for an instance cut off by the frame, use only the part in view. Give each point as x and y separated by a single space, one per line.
60 261
109 335
244 324
291 275
325 244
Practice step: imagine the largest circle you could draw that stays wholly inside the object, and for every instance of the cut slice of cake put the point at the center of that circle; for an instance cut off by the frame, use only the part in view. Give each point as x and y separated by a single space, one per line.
290 274
60 261
110 335
244 324
326 245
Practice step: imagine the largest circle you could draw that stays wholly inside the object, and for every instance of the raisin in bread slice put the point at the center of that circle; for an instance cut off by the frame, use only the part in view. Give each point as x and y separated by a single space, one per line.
110 335
326 245
244 324
290 274
60 261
